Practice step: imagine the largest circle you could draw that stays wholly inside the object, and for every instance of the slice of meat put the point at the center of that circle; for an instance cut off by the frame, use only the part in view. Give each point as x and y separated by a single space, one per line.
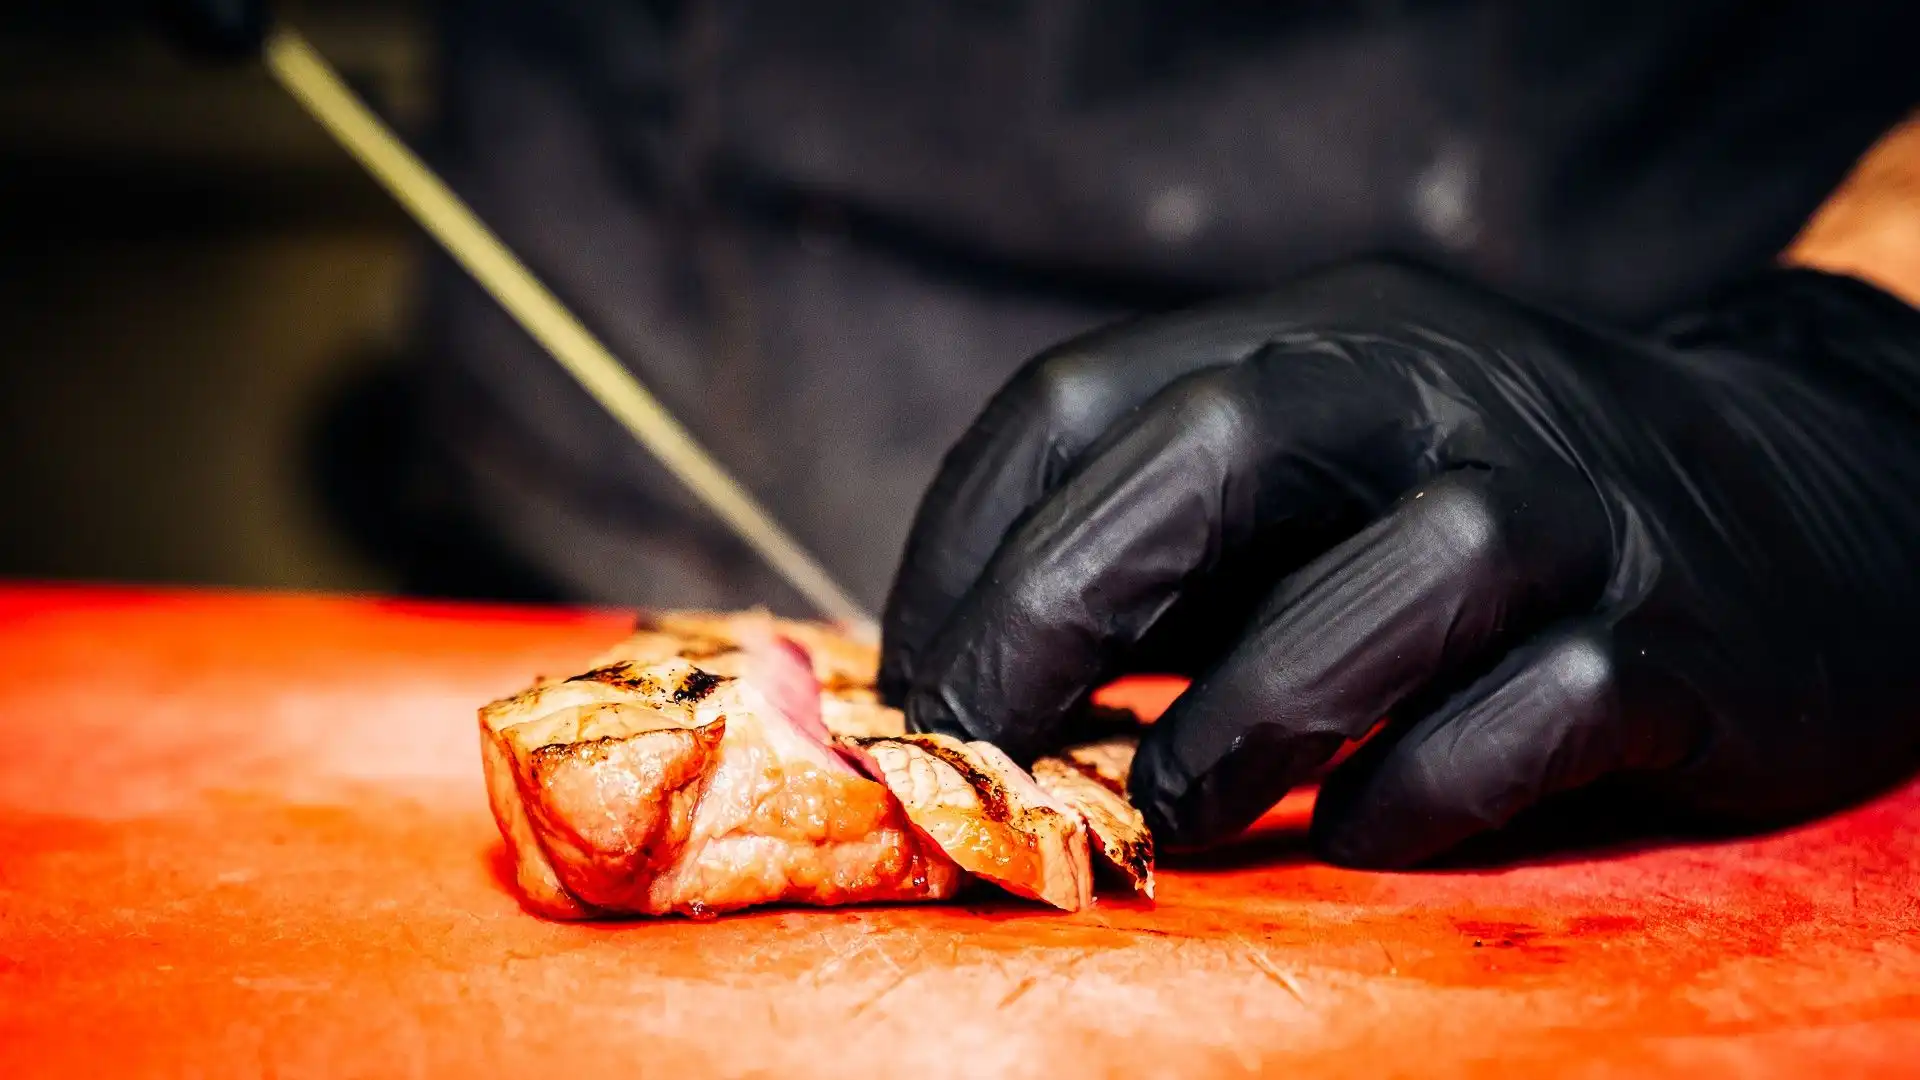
1089 779
1120 834
988 815
671 788
1110 760
858 713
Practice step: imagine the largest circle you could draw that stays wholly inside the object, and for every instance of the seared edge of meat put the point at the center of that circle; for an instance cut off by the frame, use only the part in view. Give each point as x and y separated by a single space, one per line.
859 714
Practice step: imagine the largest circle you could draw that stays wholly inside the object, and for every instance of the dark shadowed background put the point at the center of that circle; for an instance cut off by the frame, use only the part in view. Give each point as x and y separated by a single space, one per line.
199 287
195 275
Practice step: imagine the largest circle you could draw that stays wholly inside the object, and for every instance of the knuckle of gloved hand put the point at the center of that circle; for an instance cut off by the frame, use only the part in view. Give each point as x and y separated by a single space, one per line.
1215 409
1575 672
1462 523
1067 389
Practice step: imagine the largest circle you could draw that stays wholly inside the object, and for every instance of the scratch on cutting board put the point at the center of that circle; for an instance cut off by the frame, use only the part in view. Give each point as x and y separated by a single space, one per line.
881 951
1266 965
892 985
1017 993
1064 972
820 971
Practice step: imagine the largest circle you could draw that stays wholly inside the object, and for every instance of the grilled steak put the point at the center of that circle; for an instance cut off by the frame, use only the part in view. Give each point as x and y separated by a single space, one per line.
713 762
671 788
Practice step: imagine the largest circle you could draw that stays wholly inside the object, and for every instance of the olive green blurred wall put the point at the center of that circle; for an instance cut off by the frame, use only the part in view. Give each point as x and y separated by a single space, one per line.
188 269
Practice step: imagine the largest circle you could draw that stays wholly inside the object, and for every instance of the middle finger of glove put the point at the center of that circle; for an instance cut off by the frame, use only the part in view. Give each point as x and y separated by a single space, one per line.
1432 591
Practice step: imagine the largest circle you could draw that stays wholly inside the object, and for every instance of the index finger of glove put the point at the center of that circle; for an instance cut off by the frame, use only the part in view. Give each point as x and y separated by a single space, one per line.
1023 446
1221 462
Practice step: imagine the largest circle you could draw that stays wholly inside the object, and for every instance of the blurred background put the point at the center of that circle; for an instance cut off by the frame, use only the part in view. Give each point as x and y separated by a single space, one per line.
196 280
203 297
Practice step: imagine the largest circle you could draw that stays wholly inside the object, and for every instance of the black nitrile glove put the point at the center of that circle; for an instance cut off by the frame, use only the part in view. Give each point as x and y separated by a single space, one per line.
1684 572
217 30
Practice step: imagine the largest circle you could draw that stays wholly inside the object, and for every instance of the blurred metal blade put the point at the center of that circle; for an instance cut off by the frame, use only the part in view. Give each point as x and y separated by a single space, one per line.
306 76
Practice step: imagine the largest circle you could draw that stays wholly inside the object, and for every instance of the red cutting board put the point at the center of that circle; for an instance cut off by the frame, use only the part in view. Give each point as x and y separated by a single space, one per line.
245 835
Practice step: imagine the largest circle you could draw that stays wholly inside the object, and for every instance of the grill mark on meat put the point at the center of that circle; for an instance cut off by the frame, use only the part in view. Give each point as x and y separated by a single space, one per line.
696 686
993 794
1131 854
586 750
987 814
1136 857
621 676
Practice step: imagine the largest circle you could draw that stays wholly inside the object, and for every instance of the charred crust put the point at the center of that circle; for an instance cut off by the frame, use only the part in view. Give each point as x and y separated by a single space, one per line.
547 757
552 754
1135 856
1132 856
993 794
696 686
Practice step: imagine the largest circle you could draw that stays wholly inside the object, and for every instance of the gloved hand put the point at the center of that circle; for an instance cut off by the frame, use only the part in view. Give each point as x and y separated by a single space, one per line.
218 30
1681 571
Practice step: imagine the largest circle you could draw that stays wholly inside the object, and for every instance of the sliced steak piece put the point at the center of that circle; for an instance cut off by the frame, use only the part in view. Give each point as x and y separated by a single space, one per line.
1109 760
858 713
1090 780
1120 834
988 815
